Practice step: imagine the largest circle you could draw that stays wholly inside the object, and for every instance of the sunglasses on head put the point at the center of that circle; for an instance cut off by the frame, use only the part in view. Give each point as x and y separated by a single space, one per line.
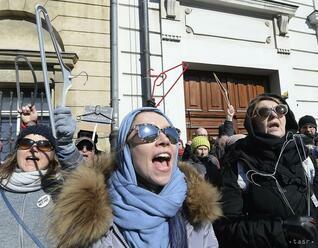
149 133
280 110
42 145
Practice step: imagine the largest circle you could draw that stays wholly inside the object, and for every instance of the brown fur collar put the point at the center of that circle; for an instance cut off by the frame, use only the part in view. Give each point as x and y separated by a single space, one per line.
83 214
202 202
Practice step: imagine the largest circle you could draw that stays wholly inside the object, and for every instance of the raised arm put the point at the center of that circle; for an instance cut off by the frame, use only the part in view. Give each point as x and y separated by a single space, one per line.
29 115
66 151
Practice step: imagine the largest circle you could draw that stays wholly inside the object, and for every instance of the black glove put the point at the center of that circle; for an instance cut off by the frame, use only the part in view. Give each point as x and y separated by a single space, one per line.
151 103
300 228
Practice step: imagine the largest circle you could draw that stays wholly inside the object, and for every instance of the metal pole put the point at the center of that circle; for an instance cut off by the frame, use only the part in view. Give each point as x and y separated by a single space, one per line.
44 70
10 138
145 51
42 103
33 97
66 72
114 74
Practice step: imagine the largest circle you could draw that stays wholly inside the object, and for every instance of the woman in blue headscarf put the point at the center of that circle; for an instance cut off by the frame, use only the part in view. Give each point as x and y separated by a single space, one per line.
142 198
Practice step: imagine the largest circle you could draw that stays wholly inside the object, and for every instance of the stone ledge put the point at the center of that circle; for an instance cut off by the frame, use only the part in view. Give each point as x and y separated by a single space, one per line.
267 7
8 56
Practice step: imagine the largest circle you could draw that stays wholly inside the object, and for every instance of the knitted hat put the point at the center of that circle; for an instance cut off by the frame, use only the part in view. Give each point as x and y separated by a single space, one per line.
43 130
305 120
200 141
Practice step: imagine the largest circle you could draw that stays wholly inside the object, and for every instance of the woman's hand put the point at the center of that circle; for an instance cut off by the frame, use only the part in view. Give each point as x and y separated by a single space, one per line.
29 115
65 125
230 113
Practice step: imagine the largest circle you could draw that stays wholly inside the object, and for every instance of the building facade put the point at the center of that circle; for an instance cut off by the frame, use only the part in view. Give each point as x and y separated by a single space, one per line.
82 30
253 46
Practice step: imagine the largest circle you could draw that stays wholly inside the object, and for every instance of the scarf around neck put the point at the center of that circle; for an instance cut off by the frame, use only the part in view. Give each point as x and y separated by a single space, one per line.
140 214
261 152
23 182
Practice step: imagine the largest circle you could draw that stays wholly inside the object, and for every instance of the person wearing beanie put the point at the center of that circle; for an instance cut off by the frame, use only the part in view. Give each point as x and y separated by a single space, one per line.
30 179
142 198
26 181
66 151
200 131
308 126
308 131
200 148
86 146
268 182
200 143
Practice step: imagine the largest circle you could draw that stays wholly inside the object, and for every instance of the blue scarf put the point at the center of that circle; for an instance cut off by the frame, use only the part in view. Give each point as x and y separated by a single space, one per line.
141 214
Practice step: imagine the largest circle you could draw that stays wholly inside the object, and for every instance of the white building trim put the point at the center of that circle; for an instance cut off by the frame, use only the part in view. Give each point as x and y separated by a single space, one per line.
258 6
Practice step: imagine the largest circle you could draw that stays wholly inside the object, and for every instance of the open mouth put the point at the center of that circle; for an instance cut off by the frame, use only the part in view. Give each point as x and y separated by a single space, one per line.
32 158
273 125
162 157
162 161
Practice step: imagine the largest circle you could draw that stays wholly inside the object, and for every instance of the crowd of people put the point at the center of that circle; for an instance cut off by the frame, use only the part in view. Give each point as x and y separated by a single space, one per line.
243 190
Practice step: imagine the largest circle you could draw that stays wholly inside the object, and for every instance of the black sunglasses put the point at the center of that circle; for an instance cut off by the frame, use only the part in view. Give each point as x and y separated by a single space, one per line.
148 132
42 145
280 110
89 146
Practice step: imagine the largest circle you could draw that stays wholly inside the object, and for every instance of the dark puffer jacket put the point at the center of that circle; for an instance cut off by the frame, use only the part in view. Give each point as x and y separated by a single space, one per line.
255 206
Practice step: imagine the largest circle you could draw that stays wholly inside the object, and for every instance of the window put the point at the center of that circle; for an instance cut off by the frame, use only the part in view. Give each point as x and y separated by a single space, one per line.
9 121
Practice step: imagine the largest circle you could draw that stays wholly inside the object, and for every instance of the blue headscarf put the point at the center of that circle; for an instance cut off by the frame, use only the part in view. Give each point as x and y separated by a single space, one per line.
141 214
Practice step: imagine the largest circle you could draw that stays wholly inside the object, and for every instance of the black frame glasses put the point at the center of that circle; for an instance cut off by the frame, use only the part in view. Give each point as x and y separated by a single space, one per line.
149 133
265 112
89 146
42 145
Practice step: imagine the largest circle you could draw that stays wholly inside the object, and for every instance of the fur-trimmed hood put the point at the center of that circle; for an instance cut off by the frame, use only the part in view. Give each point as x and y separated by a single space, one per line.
83 213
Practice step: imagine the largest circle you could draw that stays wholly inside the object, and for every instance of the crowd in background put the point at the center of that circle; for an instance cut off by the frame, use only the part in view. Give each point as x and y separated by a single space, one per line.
242 190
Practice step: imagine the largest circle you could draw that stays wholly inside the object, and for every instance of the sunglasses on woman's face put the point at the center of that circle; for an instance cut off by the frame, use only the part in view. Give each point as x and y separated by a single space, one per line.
88 145
280 110
149 133
42 145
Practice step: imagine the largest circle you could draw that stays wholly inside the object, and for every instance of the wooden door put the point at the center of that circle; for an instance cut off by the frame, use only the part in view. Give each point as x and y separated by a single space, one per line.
205 104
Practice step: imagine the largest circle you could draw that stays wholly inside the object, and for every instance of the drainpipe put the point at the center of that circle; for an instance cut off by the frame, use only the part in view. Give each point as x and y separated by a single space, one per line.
145 51
114 73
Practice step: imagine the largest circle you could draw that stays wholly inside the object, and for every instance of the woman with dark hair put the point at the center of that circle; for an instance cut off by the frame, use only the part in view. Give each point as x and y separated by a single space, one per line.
268 182
142 199
29 180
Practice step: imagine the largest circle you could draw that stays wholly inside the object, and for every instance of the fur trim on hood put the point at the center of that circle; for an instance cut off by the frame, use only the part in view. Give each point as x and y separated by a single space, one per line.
202 202
83 213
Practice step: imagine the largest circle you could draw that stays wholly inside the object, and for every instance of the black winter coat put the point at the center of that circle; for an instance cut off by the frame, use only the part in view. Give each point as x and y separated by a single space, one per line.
254 215
211 164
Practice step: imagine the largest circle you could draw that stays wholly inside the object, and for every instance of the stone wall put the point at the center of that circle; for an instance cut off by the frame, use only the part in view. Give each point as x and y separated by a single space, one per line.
83 28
